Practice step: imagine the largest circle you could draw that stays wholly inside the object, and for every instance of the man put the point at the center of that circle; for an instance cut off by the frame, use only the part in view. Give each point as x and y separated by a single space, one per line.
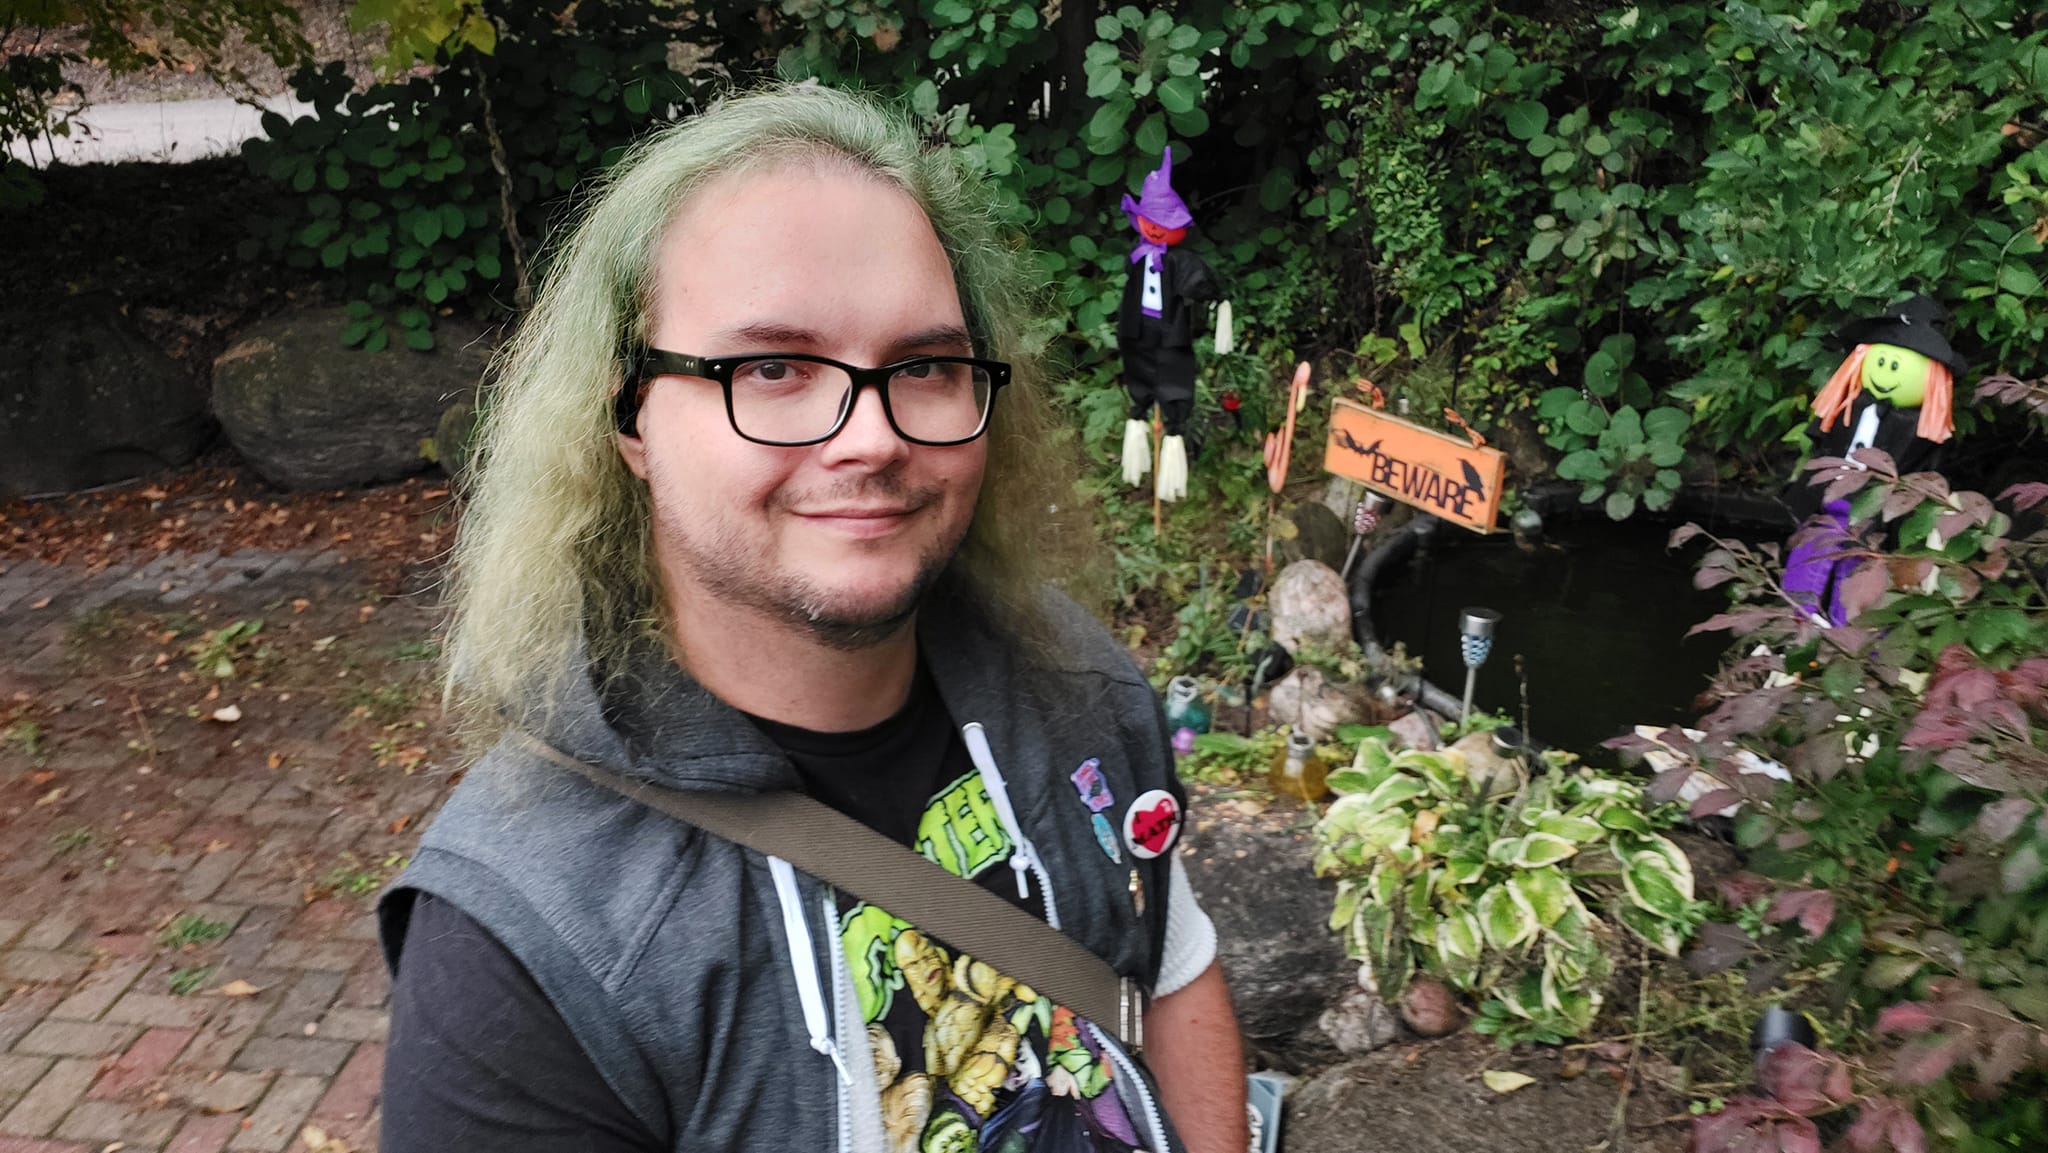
710 548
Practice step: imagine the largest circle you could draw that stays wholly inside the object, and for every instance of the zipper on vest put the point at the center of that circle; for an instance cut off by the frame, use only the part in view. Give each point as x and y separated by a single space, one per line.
803 962
1023 855
840 980
1126 1068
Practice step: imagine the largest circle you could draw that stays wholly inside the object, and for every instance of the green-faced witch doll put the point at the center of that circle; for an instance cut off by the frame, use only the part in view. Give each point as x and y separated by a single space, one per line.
1155 330
1895 392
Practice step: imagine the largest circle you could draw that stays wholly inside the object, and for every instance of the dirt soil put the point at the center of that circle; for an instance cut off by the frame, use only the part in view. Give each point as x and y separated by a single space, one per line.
1430 1097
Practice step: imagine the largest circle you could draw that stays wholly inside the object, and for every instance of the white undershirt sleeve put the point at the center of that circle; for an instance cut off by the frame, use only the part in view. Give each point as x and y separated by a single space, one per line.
1190 935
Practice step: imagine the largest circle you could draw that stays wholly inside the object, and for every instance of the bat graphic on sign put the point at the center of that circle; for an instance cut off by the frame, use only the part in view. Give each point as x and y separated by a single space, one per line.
1472 478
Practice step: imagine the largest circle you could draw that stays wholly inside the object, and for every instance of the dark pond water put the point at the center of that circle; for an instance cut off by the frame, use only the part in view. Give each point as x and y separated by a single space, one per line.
1598 613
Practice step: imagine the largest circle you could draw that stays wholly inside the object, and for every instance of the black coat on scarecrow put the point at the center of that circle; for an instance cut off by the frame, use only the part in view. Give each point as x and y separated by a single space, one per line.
1155 328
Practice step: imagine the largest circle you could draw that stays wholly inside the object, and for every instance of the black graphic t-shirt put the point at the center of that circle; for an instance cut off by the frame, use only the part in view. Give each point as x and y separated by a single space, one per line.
965 1057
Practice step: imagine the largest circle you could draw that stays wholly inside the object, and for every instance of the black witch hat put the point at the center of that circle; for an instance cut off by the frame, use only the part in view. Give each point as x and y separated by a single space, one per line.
1915 323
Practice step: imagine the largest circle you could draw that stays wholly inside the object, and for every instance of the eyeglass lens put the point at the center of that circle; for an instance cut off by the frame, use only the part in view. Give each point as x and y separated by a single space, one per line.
793 401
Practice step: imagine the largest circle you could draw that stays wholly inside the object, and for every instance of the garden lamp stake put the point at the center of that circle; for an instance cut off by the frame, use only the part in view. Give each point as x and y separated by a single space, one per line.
1364 519
1475 642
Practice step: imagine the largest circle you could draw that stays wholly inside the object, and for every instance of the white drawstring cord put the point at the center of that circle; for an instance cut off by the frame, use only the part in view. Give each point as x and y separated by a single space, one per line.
804 964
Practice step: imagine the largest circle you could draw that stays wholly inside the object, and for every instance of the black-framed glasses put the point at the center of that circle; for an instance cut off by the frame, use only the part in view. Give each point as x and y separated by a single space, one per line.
789 400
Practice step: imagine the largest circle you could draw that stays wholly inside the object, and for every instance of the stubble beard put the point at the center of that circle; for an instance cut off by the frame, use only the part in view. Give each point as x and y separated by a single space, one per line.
726 563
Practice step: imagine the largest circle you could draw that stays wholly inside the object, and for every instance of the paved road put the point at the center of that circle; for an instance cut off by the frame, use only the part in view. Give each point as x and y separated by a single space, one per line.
112 1029
172 130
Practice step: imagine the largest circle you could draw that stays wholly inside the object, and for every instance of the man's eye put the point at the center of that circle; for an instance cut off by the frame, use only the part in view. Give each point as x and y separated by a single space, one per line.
768 371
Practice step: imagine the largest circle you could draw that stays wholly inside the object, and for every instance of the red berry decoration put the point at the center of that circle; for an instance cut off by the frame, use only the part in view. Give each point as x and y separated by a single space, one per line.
1231 402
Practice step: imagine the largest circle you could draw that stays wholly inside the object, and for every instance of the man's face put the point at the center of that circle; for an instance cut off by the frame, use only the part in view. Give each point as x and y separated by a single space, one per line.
839 538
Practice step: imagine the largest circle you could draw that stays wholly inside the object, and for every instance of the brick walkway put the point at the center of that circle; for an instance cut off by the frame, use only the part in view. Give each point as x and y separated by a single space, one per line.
156 862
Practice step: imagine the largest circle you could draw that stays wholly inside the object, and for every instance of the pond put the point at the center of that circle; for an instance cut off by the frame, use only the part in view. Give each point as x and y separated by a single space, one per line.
1598 612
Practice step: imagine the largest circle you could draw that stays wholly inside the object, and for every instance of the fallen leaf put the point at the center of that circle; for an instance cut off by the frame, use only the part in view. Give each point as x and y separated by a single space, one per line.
41 604
51 797
216 846
238 988
322 645
228 715
301 604
1503 1081
398 826
43 777
365 612
274 760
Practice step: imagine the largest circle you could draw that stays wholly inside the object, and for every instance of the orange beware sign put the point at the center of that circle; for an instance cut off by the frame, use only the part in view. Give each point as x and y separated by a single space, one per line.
1439 474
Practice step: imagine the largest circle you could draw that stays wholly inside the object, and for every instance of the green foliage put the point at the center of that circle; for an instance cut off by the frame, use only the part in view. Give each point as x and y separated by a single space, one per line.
214 653
189 979
403 191
190 929
121 36
26 735
1909 847
1227 757
1513 895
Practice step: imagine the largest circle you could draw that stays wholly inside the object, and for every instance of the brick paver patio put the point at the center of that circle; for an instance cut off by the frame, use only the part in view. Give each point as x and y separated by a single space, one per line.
187 955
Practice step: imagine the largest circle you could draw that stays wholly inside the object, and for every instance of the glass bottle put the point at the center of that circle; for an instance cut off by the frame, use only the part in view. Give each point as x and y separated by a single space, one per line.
1297 772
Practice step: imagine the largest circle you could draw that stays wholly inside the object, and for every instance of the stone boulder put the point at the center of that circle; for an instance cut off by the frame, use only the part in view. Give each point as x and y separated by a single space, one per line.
86 400
1319 534
307 412
1310 701
1309 603
1253 877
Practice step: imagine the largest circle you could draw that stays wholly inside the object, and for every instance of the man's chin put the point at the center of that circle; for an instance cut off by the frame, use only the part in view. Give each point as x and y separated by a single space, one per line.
851 624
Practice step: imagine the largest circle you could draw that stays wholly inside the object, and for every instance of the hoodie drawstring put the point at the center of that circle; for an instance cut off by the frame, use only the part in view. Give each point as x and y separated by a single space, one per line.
803 962
1023 856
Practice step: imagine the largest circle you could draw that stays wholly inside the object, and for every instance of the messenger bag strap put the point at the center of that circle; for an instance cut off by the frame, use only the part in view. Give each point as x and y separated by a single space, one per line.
853 858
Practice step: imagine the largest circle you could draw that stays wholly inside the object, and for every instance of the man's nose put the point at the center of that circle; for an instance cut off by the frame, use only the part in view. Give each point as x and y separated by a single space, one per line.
867 434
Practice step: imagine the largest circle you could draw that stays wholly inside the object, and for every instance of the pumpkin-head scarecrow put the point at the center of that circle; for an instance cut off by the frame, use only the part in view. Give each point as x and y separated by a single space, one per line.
1155 330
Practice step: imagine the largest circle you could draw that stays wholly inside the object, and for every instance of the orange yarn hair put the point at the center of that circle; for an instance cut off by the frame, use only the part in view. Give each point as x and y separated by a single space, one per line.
1937 405
1937 408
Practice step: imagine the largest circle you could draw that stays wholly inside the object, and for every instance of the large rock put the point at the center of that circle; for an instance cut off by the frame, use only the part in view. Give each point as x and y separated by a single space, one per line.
1319 534
1308 603
306 412
1285 967
1309 700
85 400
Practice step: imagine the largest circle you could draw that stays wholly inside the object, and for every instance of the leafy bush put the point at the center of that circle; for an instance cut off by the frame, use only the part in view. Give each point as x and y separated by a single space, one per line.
422 193
1569 214
1910 849
1509 891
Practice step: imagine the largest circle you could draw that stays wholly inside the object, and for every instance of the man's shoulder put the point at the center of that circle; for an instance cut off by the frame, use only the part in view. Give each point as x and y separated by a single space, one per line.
1074 641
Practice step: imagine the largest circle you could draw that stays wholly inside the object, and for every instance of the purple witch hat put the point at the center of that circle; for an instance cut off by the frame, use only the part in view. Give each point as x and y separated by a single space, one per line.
1158 203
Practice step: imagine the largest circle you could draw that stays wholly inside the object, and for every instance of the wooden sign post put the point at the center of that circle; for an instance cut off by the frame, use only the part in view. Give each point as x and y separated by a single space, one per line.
1441 475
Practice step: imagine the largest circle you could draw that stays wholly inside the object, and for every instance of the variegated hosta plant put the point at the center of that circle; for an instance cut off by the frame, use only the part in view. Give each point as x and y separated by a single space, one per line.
1512 896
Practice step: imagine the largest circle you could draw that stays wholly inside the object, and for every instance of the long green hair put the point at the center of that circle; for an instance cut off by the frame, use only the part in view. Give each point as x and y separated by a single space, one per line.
554 570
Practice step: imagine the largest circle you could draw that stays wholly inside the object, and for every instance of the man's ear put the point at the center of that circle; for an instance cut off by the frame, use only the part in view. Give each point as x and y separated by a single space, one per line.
633 451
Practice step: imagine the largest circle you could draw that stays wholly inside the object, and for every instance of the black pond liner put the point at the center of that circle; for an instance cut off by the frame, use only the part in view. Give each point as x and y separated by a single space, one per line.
1601 621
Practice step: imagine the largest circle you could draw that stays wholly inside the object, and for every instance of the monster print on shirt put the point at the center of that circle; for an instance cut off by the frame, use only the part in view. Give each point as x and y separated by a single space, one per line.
968 1059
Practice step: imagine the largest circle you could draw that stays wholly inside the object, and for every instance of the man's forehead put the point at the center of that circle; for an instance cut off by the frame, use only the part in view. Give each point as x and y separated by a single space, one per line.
802 254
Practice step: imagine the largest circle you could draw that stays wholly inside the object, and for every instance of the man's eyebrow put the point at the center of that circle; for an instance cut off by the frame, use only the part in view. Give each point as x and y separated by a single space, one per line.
769 336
